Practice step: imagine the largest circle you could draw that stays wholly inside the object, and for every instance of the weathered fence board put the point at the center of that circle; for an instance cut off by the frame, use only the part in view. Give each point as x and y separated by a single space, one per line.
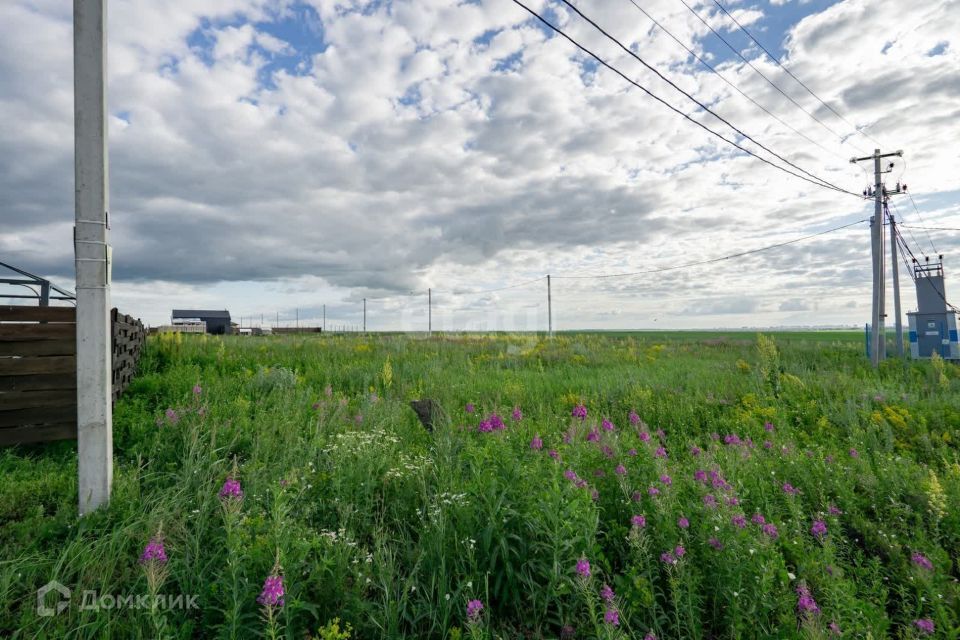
38 370
19 313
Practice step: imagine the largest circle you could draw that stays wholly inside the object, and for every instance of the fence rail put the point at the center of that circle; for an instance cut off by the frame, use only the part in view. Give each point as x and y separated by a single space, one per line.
38 370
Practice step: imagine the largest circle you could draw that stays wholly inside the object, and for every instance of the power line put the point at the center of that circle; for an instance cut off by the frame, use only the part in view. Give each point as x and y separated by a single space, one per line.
912 237
698 102
911 226
769 81
673 108
920 217
732 85
790 73
731 256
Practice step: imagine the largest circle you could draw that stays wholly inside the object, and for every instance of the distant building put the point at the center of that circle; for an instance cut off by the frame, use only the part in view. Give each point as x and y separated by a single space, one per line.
216 322
933 326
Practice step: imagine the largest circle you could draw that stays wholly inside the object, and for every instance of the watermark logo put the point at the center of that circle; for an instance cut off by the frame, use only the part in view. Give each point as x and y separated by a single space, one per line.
63 599
93 601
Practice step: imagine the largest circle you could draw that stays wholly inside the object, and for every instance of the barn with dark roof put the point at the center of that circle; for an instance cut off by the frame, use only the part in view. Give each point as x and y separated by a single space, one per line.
217 321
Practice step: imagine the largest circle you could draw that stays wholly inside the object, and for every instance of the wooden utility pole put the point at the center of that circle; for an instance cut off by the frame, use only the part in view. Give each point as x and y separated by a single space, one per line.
549 310
92 253
895 265
877 330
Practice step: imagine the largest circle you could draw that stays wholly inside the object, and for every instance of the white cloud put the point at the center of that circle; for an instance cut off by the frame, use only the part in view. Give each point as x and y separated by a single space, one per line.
409 154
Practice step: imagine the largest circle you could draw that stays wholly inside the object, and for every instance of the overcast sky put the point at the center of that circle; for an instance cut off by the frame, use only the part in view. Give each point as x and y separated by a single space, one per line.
274 155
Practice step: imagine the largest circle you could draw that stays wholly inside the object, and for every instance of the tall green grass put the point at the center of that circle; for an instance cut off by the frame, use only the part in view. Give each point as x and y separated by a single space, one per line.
383 530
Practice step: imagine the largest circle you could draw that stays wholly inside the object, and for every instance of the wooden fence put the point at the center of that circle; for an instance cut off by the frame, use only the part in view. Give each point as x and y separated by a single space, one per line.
38 370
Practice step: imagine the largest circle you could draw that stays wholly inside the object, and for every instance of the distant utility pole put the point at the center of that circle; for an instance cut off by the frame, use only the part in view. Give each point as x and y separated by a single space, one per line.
877 330
549 310
429 311
895 265
92 251
297 325
324 318
278 320
364 315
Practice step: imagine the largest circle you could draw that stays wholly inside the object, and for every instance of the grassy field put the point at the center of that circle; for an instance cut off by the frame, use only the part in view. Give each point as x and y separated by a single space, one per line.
592 486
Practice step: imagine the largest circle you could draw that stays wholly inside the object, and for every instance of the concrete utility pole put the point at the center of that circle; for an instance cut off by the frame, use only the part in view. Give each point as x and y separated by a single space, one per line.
895 265
877 329
324 318
92 252
549 310
297 325
364 315
429 311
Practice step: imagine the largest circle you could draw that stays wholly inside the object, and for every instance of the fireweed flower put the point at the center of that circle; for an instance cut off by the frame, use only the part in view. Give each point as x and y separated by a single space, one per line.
581 484
767 444
272 593
925 625
579 411
805 602
634 418
768 427
716 544
593 436
667 480
536 444
632 453
667 558
231 490
700 476
921 561
553 454
599 473
653 491
638 521
650 636
607 425
732 439
818 529
660 452
834 628
516 414
172 416
474 607
834 510
661 434
594 494
695 451
621 470
683 523
709 501
738 521
607 593
644 436
197 390
636 496
770 529
789 489
607 450
612 618
854 453
757 519
154 552
583 568
570 475
470 408
496 422
733 501
679 551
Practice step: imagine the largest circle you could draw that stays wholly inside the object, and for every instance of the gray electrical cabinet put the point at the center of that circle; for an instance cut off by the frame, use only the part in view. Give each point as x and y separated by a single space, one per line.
933 326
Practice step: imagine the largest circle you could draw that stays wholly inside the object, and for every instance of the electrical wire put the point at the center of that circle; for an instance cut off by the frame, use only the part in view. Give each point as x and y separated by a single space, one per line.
731 256
790 73
937 291
897 211
910 226
768 80
920 217
673 108
481 291
731 84
698 102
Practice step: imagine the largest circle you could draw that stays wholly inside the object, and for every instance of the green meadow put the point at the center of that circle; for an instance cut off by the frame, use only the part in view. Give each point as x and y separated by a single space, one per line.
628 485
